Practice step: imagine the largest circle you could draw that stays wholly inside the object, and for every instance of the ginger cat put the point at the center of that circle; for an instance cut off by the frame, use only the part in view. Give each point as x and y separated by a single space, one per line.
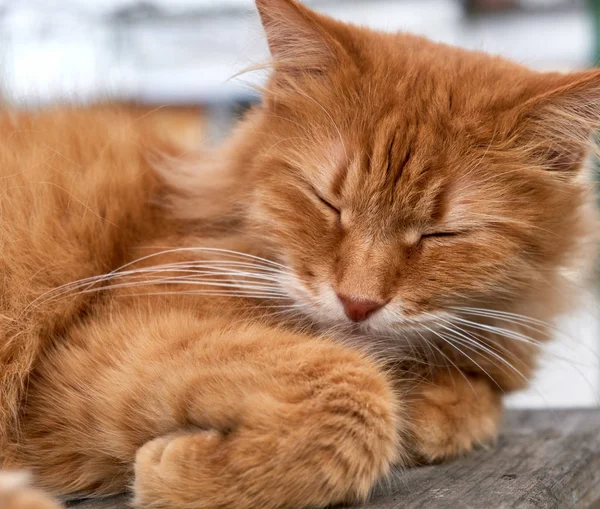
351 281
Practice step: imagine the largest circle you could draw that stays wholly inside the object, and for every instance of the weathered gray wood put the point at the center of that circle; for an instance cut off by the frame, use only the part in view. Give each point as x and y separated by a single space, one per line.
543 459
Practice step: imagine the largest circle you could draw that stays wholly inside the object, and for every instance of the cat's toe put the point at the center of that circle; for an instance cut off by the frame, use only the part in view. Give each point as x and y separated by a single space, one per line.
151 452
165 462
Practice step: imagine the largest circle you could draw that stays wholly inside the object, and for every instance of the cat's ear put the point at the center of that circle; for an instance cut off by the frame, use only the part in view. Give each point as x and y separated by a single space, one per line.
558 124
300 40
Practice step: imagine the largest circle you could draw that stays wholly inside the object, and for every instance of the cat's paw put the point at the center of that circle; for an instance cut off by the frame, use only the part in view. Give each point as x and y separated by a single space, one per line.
329 447
165 455
15 493
453 414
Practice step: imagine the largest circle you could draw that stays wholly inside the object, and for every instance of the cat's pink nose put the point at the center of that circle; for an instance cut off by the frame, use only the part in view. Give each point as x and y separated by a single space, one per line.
359 310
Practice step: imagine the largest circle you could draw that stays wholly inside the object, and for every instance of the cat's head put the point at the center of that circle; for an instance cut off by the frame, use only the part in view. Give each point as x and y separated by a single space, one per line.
400 178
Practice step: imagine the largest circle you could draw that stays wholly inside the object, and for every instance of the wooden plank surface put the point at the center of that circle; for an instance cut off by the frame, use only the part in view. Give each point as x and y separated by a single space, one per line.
543 459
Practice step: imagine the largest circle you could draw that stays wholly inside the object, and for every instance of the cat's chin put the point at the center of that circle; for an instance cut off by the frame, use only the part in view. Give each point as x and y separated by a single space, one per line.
374 327
383 342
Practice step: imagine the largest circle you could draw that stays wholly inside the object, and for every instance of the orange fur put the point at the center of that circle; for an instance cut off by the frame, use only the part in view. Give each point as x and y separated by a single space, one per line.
446 186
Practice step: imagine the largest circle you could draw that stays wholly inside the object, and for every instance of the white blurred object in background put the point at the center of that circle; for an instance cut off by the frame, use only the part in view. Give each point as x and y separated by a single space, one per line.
186 51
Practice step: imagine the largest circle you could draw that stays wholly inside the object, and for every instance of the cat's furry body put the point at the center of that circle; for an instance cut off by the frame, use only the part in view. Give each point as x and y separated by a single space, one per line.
463 201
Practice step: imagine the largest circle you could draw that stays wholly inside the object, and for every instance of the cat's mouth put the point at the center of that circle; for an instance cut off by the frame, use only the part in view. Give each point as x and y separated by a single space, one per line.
378 325
398 326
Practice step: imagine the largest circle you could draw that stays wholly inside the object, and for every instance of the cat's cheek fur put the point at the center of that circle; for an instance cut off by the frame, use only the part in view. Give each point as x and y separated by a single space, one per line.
327 307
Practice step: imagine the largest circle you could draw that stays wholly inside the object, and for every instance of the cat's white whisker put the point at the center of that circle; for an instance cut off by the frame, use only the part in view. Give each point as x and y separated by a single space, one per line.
498 313
215 293
478 345
446 357
456 343
494 345
554 355
500 331
262 269
210 283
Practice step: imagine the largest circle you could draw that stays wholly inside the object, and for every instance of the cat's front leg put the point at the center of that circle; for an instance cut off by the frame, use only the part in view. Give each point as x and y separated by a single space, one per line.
451 413
204 414
196 413
320 426
323 428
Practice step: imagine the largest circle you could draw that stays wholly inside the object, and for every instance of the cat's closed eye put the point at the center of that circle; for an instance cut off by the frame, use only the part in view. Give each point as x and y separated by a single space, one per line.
440 235
328 204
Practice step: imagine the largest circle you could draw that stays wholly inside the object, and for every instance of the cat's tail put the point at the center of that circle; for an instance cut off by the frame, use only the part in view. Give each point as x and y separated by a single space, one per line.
75 192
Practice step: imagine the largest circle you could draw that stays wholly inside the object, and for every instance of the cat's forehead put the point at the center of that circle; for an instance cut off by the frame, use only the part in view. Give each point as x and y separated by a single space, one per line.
434 82
404 180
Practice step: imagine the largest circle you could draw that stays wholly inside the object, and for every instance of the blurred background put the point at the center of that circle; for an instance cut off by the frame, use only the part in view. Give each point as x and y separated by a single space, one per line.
180 55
